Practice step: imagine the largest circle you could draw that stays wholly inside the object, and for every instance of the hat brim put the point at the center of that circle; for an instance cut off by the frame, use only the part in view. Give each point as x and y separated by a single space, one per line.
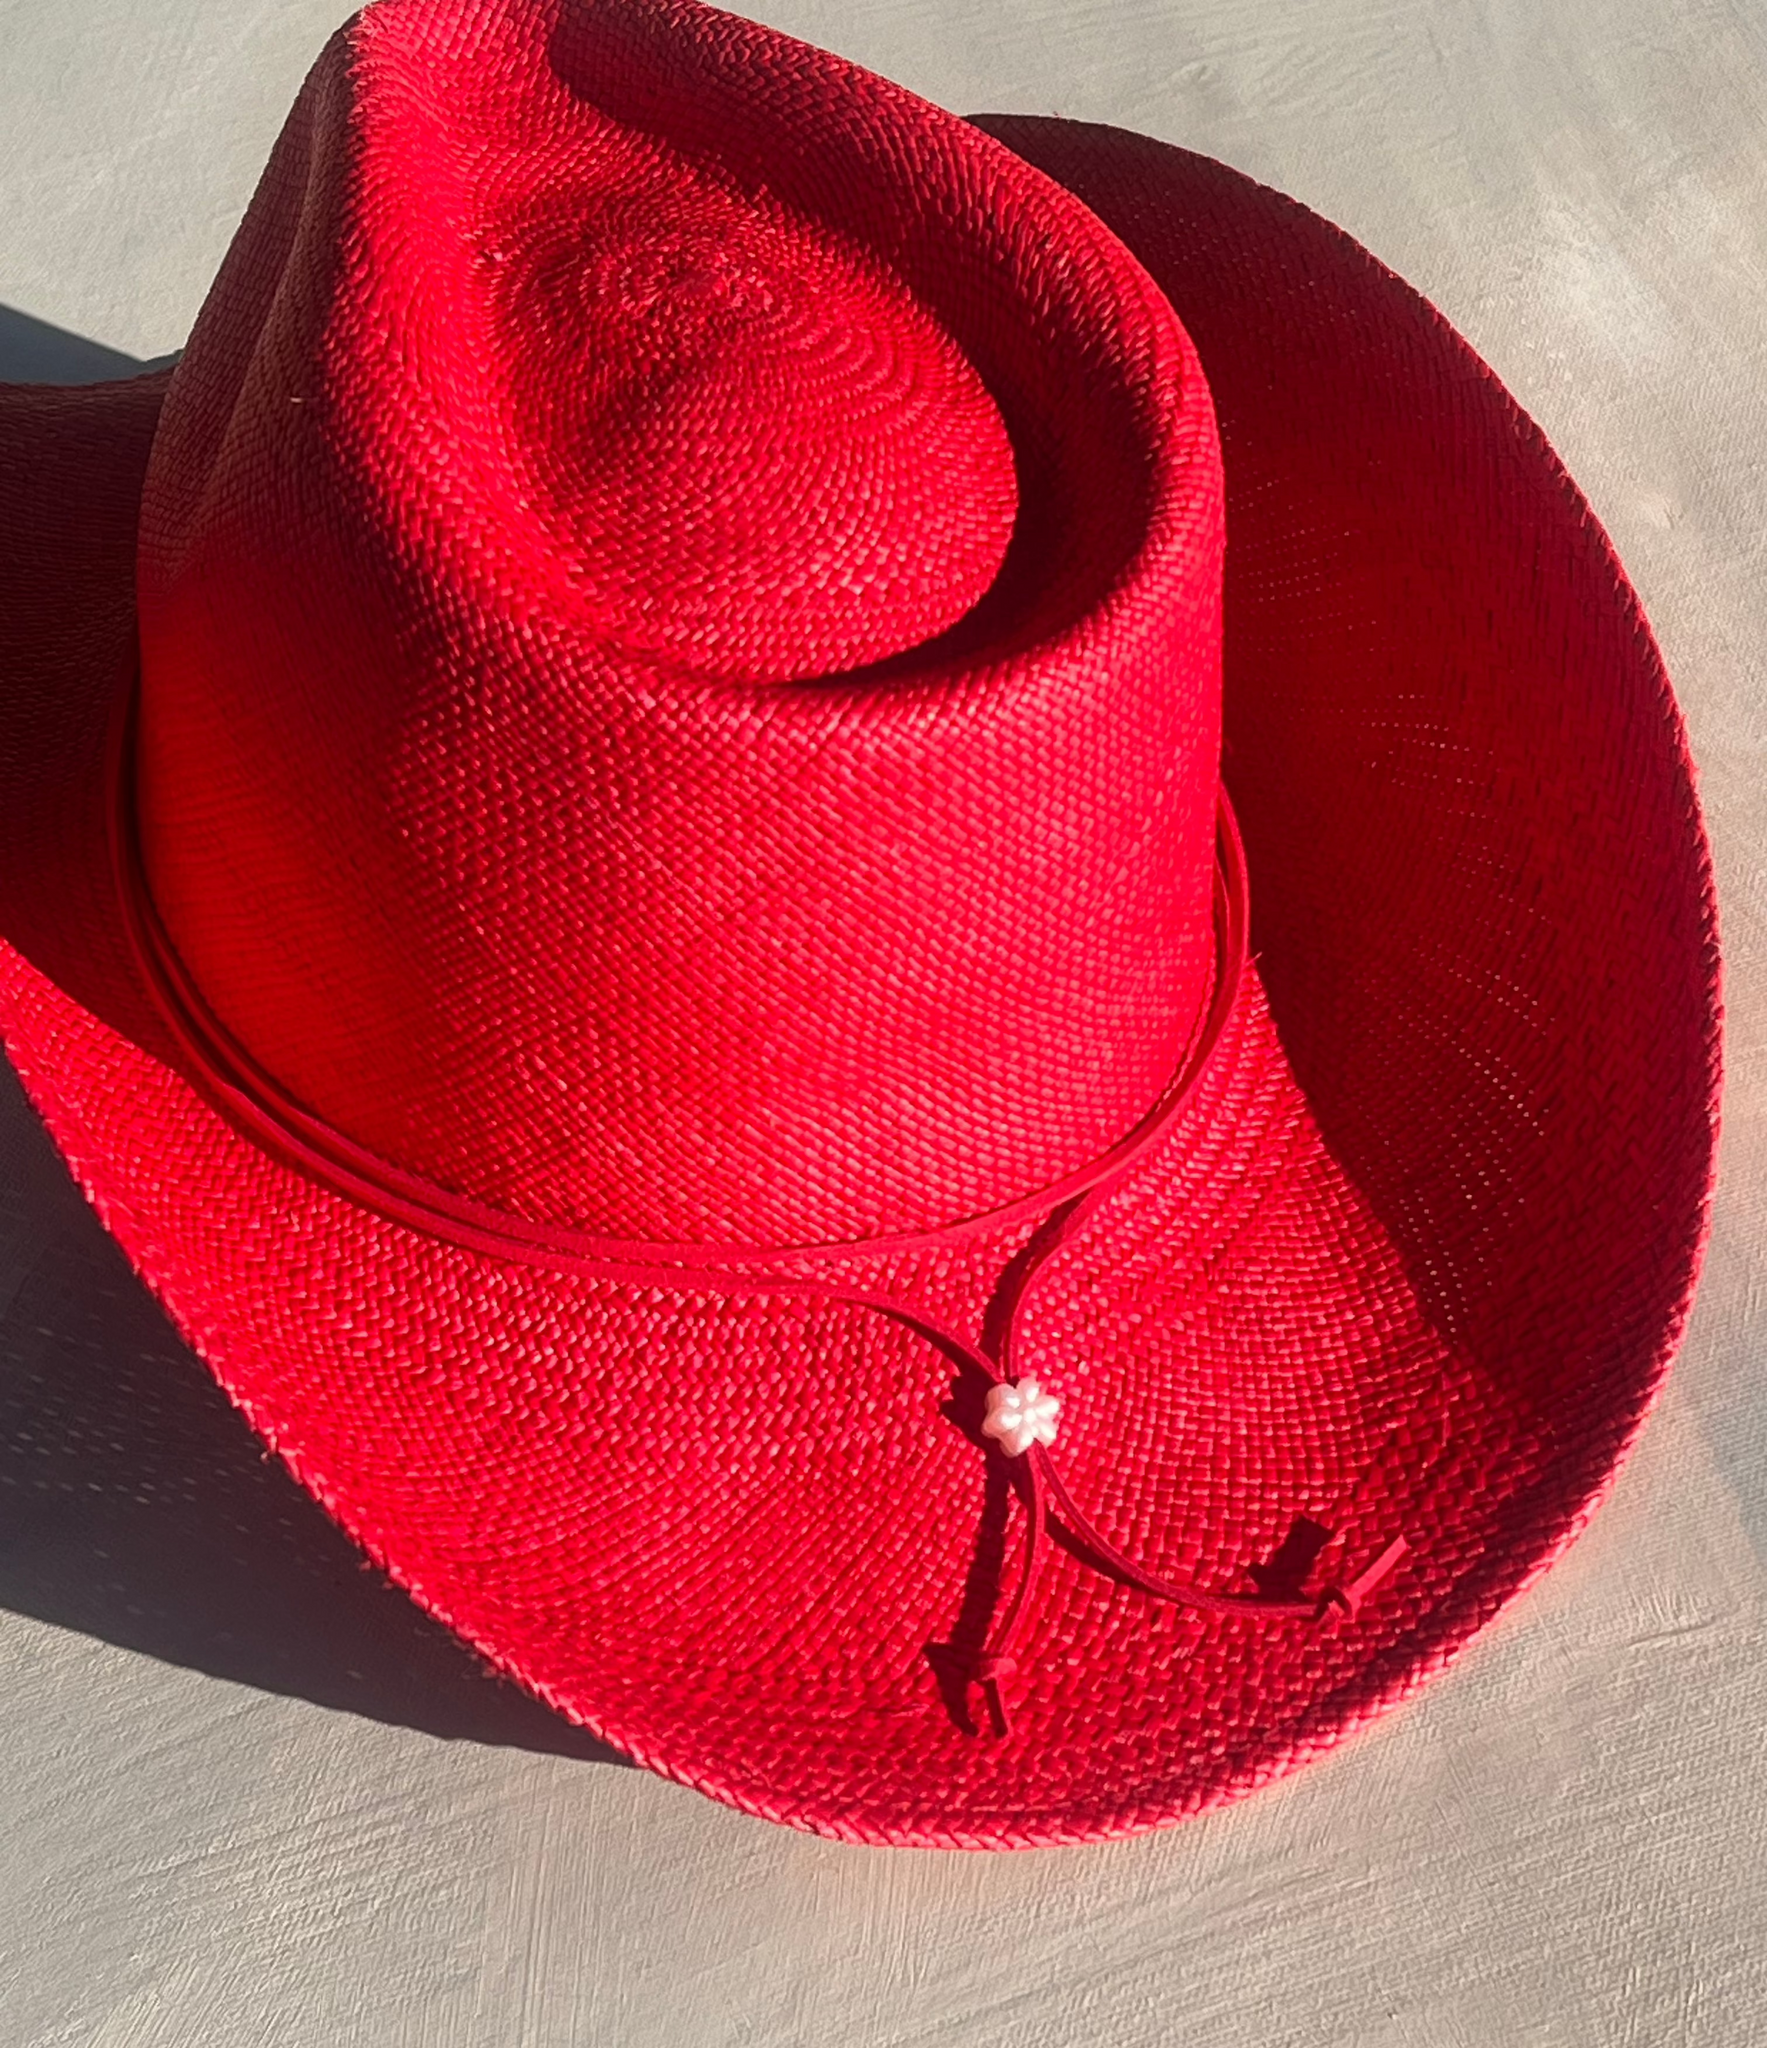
1414 1260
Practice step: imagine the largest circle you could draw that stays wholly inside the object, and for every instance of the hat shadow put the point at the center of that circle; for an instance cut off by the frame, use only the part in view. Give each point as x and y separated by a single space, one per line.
33 351
137 1506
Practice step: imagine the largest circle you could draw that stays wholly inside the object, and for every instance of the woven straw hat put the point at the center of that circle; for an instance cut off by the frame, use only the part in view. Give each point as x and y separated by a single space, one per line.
619 875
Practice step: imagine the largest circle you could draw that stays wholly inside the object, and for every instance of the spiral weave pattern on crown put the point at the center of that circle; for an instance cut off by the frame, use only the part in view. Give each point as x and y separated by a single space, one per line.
680 625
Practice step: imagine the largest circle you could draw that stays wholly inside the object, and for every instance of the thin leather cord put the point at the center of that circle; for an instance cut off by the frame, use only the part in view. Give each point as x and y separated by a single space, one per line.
258 1102
252 1099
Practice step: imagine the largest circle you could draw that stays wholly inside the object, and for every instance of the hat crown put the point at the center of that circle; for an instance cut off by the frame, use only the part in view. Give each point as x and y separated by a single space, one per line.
680 596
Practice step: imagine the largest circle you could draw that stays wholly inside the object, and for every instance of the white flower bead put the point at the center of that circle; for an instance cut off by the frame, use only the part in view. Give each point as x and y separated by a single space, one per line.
1020 1415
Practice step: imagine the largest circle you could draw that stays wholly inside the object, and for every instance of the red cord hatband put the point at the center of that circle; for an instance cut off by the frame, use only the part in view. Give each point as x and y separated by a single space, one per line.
253 1101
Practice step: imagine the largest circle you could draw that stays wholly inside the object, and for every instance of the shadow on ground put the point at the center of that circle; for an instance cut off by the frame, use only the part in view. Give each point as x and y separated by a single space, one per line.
34 352
138 1507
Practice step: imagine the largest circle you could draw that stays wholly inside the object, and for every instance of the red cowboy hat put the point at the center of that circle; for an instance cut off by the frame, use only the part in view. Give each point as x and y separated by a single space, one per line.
614 879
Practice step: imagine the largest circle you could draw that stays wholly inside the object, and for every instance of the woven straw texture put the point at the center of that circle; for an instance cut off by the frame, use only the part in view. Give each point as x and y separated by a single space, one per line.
684 654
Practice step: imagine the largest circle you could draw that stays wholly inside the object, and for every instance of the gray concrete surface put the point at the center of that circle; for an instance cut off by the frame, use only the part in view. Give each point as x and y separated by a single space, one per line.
248 1796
